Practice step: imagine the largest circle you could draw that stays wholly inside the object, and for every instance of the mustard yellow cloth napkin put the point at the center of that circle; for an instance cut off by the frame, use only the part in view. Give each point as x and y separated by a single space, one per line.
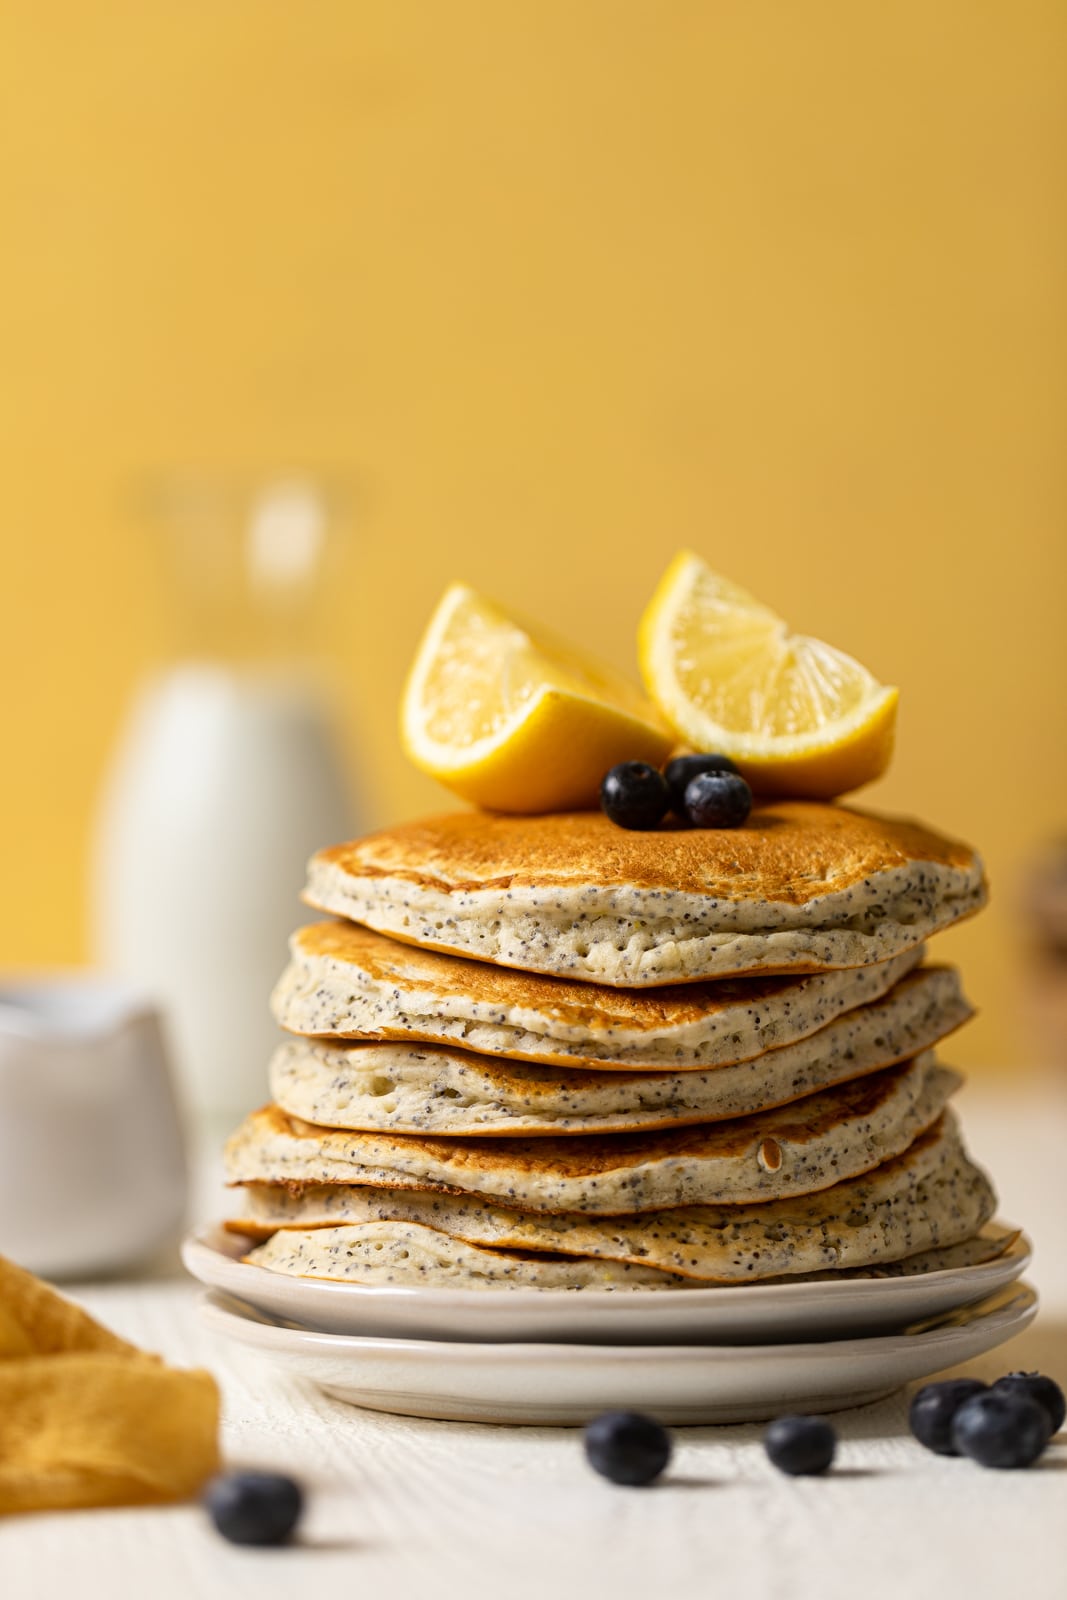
87 1419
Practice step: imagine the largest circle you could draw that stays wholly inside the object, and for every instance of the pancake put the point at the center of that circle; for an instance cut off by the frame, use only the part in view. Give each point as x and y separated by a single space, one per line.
930 1198
802 887
375 1219
348 981
411 1255
794 1149
416 1088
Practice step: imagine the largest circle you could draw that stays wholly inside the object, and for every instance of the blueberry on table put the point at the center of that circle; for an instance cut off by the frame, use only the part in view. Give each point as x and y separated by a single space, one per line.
933 1408
1037 1387
800 1446
680 773
1001 1430
634 795
627 1447
254 1507
718 800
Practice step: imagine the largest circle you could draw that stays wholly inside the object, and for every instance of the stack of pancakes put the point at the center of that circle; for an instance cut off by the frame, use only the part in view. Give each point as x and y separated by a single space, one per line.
545 1051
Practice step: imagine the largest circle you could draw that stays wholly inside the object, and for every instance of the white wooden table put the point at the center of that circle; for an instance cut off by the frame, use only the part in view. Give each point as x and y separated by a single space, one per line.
401 1508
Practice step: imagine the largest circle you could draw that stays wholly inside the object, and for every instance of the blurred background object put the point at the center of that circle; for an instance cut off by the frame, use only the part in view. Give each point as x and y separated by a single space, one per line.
226 778
92 1163
563 285
1044 913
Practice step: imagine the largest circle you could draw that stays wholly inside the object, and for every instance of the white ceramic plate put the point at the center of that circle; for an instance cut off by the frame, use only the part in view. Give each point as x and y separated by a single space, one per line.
567 1384
741 1314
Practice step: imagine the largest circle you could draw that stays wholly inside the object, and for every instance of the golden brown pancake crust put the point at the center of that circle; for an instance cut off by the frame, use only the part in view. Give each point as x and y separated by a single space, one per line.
543 1082
592 1007
791 851
804 1123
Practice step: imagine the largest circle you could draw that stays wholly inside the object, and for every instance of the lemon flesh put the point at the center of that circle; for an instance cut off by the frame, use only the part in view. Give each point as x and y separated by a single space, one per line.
797 716
514 719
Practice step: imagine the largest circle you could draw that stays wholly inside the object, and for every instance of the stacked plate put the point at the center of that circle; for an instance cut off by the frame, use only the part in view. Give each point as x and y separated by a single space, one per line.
571 1118
549 1356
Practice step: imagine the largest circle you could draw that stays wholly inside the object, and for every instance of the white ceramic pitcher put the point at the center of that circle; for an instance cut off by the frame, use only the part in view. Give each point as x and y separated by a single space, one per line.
92 1166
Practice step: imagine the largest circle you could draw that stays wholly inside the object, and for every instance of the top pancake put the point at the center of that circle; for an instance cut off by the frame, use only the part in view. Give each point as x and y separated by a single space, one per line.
802 887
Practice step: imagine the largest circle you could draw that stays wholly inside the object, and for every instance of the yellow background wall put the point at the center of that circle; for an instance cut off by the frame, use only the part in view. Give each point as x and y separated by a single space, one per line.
562 285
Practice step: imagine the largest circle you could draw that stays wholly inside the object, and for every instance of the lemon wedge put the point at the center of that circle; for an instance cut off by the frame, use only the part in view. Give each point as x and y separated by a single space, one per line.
797 716
514 719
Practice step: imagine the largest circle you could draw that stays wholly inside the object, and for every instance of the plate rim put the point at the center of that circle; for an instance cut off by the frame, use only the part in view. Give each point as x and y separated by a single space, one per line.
1022 1302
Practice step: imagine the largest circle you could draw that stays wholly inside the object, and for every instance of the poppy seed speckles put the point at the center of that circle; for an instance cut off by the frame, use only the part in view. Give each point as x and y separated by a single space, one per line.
633 934
931 1197
421 995
842 1132
549 1052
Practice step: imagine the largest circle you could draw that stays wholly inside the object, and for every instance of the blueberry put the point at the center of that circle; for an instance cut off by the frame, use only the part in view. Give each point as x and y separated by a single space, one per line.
800 1445
634 795
680 773
627 1447
254 1507
933 1408
1035 1386
717 800
1000 1430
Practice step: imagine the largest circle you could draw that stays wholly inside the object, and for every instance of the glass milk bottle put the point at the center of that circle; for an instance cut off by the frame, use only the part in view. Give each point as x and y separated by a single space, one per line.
227 777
